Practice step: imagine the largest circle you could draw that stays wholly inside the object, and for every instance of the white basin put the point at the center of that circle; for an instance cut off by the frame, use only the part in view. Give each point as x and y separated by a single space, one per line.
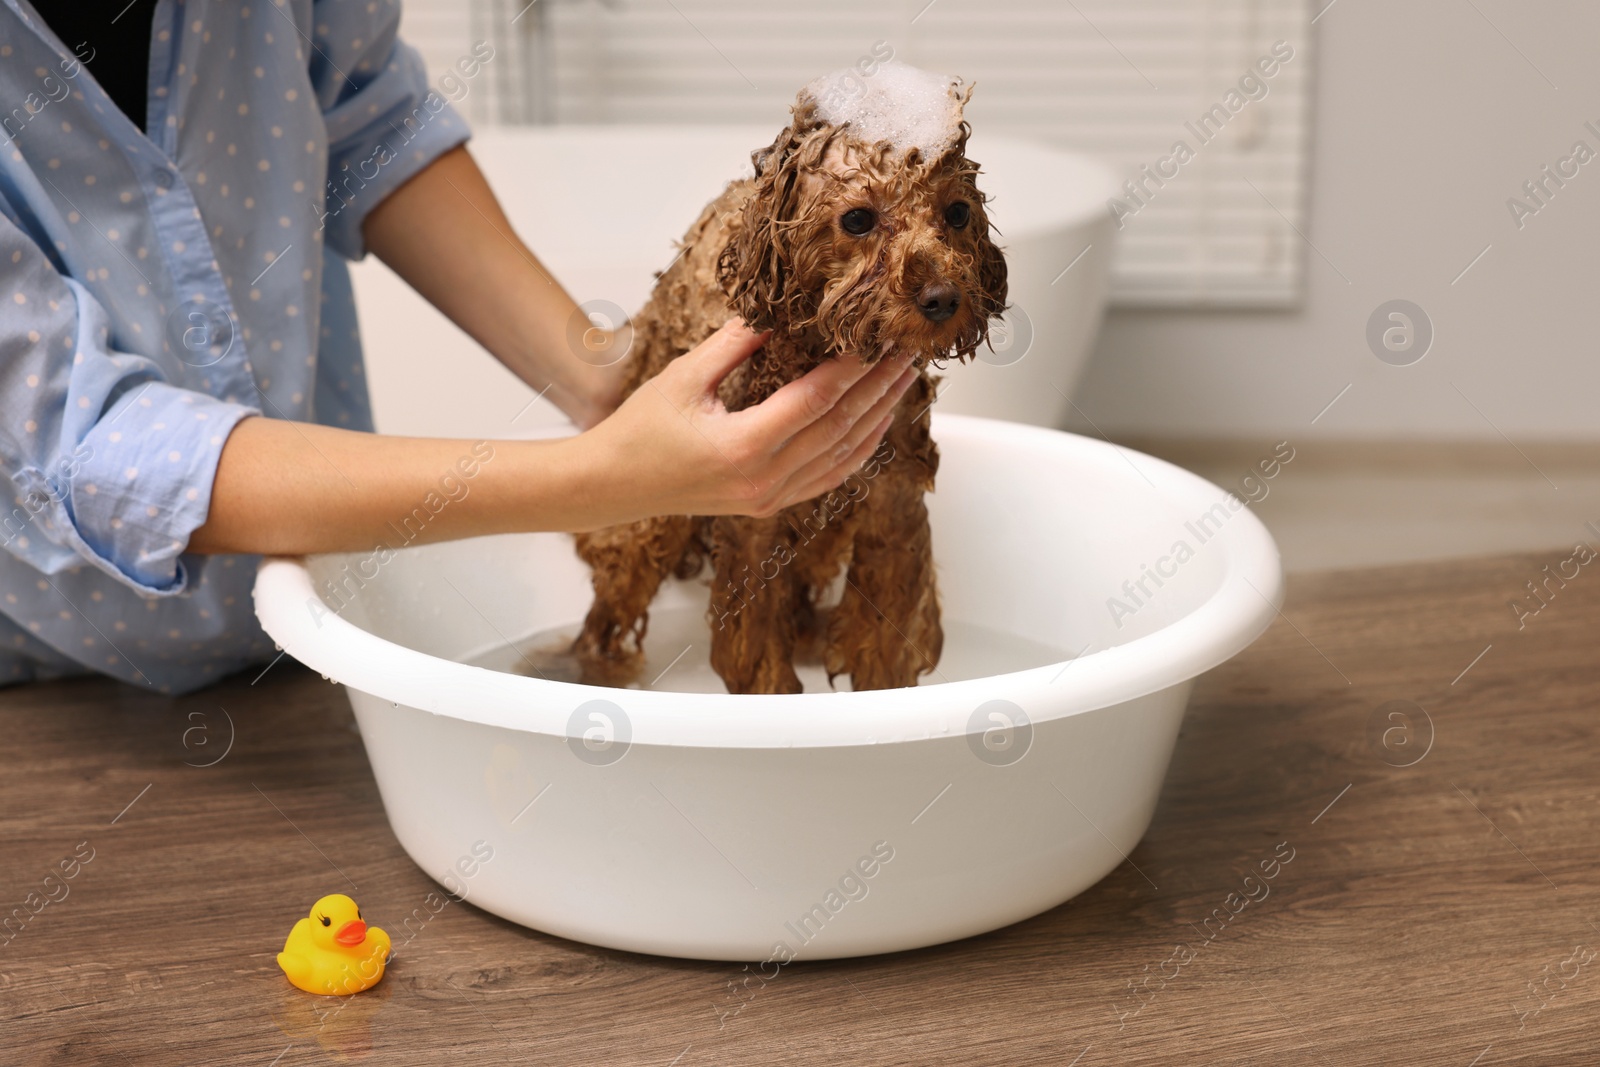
708 825
602 205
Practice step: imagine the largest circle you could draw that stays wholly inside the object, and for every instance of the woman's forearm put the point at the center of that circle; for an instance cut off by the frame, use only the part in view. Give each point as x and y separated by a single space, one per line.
446 235
286 488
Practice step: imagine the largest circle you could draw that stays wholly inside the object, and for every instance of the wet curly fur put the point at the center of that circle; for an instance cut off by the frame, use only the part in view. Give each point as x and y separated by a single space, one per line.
772 249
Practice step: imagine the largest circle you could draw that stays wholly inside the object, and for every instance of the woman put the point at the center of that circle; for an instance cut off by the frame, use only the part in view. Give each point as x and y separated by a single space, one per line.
180 373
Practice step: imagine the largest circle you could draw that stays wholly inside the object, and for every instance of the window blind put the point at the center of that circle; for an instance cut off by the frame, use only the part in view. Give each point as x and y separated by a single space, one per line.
1216 222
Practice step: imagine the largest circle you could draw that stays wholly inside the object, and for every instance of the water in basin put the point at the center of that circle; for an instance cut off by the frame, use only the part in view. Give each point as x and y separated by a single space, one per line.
678 650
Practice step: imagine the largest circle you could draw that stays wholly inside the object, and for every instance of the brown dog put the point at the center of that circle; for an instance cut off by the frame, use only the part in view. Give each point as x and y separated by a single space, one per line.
838 245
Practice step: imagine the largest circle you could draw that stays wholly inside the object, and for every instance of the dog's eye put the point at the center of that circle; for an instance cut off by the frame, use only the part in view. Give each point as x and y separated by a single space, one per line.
858 221
957 215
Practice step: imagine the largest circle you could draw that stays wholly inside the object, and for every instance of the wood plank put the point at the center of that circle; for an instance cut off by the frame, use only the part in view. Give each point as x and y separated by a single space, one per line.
1420 903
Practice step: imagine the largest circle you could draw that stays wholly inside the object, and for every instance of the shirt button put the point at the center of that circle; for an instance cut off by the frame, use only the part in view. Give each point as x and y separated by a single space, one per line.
164 179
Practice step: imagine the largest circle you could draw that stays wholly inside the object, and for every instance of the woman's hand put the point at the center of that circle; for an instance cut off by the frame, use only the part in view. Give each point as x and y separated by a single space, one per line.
672 448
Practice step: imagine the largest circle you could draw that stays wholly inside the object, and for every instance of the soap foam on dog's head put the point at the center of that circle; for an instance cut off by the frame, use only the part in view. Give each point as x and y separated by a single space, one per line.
898 103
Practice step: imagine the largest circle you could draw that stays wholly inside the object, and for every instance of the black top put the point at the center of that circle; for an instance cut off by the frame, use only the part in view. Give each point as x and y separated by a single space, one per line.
112 39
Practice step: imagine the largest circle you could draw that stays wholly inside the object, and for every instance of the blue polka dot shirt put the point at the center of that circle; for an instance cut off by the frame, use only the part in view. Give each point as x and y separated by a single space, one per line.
156 289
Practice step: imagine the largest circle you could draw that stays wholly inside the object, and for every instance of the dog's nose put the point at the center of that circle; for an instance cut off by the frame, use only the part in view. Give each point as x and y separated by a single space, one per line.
938 301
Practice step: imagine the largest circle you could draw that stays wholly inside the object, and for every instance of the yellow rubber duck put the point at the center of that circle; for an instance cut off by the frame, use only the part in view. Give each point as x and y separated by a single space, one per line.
332 952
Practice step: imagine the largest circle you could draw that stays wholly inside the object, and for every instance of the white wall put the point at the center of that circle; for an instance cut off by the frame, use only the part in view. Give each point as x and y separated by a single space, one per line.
1426 120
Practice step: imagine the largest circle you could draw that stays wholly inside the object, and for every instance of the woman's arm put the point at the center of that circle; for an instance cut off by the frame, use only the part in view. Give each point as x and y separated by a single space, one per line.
444 233
287 488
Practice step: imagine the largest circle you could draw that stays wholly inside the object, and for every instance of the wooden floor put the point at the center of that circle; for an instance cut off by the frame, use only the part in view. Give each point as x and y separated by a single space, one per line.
1439 913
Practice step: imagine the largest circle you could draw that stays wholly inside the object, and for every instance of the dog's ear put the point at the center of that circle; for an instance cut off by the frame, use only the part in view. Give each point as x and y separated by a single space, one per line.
991 261
755 266
991 273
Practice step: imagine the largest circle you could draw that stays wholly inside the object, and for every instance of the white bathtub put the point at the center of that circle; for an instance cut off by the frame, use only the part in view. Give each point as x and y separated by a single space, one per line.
602 206
714 826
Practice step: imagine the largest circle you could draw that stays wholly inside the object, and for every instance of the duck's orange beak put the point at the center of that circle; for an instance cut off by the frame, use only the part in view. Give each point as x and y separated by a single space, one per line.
351 933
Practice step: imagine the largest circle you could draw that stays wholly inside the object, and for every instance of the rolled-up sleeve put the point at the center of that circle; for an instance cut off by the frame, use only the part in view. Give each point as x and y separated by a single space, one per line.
110 464
384 122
